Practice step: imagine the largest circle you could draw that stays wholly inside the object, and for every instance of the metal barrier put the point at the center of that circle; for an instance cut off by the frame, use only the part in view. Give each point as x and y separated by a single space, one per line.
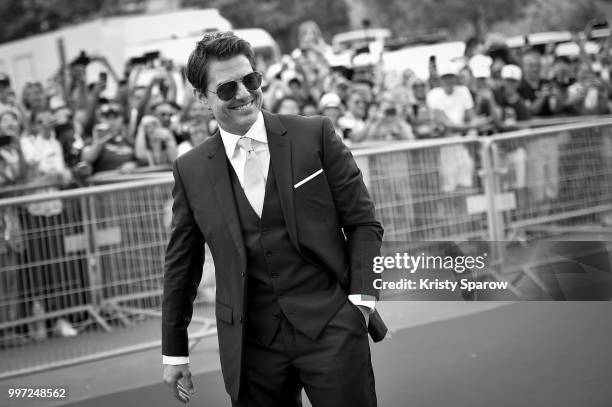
555 181
92 267
421 188
97 263
551 177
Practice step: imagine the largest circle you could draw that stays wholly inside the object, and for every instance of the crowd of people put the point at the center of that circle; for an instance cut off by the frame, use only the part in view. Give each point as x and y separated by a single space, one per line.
59 134
65 135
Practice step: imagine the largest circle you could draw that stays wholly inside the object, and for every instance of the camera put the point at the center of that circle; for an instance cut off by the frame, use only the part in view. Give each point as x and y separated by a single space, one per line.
390 111
5 140
83 59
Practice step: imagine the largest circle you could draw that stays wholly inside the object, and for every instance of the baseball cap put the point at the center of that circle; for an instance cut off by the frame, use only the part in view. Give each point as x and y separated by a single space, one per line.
480 65
511 72
290 75
447 68
330 100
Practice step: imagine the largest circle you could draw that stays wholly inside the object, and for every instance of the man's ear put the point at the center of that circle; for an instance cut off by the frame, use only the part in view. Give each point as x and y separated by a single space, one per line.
201 98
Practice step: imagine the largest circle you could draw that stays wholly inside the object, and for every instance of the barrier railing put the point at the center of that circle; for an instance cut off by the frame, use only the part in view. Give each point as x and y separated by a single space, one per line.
553 182
89 267
421 188
95 262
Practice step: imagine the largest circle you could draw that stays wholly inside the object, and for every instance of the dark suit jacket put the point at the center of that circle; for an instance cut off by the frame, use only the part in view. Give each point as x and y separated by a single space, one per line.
330 221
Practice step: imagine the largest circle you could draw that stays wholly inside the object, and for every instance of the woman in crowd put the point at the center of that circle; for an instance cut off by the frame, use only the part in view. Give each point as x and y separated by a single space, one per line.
197 124
12 164
287 105
155 144
12 173
386 123
330 105
33 98
589 94
353 121
418 114
46 278
109 148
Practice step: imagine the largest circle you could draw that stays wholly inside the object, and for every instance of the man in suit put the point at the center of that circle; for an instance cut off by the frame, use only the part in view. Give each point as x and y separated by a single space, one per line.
291 227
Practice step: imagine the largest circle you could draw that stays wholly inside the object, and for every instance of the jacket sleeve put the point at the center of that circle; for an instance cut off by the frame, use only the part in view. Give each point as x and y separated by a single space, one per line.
355 210
182 272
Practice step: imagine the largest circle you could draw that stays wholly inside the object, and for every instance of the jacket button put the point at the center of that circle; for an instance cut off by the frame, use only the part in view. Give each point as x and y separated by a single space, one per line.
269 254
240 319
276 316
264 231
243 274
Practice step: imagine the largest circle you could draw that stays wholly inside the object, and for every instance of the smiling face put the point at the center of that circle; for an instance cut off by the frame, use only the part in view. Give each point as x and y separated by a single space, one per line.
238 114
9 125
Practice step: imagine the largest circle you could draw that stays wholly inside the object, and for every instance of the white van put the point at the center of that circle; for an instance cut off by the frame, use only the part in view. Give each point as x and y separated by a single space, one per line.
262 42
173 34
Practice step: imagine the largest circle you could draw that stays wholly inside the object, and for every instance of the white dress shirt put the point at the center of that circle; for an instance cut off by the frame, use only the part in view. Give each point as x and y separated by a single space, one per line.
259 141
237 158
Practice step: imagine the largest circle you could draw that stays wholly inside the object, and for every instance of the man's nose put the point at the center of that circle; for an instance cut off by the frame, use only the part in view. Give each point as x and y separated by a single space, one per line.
242 92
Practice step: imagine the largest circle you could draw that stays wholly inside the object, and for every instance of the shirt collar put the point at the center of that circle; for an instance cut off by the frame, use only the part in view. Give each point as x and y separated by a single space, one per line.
256 132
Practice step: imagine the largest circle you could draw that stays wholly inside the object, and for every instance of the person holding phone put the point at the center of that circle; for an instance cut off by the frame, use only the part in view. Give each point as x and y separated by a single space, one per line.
12 164
387 123
109 149
13 172
154 143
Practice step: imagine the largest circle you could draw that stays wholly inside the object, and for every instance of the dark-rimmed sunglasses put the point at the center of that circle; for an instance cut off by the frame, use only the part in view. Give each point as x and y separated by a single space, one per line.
227 90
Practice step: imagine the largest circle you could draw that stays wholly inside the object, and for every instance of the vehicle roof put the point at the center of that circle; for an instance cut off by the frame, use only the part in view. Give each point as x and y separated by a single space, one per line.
362 33
256 36
539 38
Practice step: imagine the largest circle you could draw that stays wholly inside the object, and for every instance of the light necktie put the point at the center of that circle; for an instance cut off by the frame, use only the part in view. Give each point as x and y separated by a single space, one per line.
254 181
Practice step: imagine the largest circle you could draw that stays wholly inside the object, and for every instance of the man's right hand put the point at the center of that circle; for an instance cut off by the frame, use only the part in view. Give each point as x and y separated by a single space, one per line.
178 377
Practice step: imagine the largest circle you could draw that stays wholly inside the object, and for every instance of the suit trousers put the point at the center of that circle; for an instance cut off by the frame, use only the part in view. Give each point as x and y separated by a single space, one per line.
335 369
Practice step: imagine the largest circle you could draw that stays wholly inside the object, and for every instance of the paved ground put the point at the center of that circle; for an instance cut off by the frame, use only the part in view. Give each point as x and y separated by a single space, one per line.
444 353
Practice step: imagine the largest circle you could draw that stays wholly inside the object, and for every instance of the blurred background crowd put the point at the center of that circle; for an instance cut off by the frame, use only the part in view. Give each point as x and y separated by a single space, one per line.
78 112
67 126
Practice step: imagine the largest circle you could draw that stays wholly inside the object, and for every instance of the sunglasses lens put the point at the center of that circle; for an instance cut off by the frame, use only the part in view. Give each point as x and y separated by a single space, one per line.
227 91
252 81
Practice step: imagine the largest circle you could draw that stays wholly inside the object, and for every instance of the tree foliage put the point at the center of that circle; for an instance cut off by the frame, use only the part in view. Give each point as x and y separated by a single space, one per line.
28 17
281 18
409 16
545 15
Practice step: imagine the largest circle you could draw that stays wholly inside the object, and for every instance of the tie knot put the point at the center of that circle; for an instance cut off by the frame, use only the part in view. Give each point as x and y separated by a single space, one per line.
245 144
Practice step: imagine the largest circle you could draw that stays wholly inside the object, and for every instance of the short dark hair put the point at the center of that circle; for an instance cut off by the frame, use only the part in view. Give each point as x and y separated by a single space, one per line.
221 45
280 101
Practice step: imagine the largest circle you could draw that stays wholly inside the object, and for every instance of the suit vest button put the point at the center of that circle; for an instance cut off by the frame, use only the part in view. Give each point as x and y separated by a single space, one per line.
240 319
243 274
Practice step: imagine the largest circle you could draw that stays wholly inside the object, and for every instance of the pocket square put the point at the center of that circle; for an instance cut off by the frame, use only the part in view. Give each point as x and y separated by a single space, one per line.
308 178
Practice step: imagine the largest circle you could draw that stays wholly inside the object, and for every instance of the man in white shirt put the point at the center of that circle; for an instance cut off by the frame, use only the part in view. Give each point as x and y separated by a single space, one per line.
452 106
291 227
450 101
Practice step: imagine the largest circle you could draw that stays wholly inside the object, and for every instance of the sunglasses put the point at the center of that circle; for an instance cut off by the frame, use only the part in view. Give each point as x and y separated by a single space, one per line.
227 90
112 112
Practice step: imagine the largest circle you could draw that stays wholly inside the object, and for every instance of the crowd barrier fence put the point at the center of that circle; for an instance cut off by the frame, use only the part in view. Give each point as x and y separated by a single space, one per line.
554 183
92 258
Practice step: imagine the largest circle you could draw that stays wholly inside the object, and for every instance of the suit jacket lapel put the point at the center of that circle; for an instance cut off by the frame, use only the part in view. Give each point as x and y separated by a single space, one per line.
219 176
280 160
